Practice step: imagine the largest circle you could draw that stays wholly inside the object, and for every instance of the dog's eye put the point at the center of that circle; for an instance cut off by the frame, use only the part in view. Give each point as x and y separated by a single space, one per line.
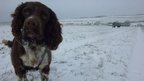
44 17
27 12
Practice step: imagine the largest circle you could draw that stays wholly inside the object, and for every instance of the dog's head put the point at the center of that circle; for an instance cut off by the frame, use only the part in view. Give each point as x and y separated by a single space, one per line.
35 22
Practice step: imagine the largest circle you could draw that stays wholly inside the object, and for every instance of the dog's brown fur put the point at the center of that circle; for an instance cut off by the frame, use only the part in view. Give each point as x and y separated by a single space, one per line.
36 25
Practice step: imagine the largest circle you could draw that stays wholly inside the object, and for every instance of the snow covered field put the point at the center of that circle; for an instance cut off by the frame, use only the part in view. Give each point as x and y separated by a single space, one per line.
88 53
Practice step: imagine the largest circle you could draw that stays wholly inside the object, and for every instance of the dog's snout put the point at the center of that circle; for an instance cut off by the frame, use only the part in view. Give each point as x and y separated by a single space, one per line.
32 21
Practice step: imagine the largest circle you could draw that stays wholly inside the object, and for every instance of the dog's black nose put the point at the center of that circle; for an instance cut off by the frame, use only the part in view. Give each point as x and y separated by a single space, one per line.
31 22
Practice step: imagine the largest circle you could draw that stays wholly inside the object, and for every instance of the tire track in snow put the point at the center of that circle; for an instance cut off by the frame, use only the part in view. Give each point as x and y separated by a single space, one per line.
78 43
95 60
136 66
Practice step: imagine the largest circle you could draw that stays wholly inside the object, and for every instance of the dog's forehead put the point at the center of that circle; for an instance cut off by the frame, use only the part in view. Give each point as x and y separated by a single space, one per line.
35 5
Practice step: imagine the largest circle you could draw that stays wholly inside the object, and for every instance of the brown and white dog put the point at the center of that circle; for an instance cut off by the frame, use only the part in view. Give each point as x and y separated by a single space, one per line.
36 32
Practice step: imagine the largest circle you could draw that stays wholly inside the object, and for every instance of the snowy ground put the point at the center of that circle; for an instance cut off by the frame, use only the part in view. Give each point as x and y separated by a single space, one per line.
88 53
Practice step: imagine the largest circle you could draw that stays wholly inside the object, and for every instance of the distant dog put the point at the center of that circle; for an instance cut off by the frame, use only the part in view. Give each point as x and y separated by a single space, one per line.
36 32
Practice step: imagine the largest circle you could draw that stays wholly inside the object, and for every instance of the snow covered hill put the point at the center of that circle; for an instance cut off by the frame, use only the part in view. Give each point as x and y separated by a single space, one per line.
88 53
134 20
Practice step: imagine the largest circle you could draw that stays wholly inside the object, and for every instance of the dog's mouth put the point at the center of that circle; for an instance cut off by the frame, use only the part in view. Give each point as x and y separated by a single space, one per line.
32 38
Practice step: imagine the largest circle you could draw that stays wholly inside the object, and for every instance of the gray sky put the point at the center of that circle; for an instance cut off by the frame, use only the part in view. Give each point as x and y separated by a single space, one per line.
79 8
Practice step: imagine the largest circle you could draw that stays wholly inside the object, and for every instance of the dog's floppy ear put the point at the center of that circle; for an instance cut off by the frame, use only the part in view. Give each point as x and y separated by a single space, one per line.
53 31
18 20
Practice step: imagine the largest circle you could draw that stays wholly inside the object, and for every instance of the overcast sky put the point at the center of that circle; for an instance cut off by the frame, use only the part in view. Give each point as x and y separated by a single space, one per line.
79 8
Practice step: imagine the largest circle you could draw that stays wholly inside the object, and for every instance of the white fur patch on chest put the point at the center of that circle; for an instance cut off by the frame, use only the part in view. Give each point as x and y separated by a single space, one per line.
33 57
